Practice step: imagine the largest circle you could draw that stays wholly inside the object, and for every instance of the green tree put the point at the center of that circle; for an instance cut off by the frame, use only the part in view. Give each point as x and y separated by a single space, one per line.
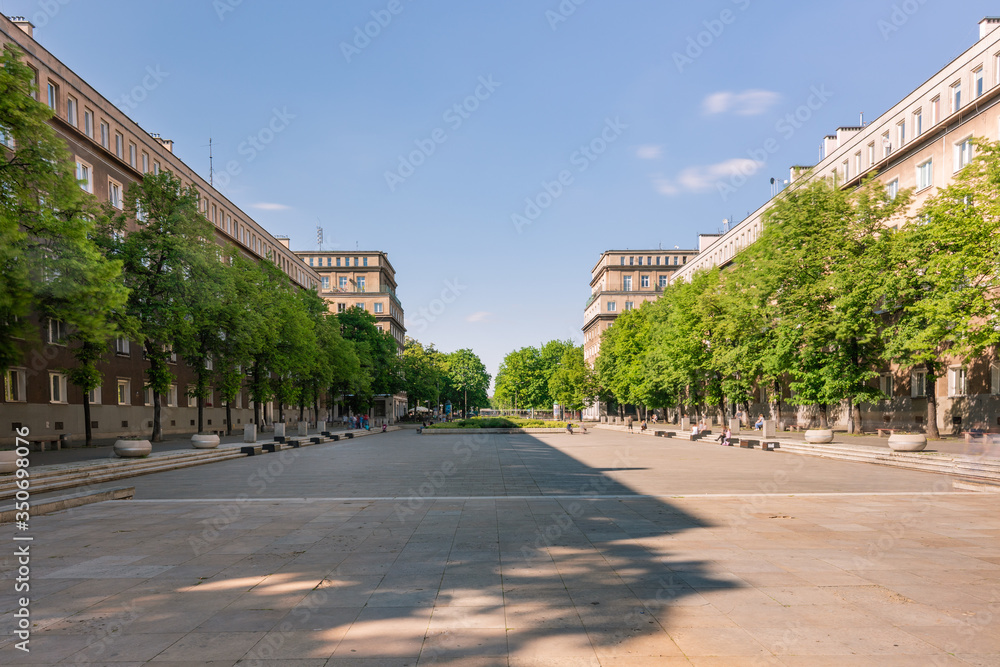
170 242
573 383
469 377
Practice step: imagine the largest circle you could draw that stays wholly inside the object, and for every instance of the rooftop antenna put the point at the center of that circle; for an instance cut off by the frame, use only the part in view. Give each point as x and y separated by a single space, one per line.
319 238
862 119
211 161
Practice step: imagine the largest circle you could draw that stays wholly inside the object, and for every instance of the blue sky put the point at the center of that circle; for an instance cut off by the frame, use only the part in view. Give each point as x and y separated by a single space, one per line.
601 125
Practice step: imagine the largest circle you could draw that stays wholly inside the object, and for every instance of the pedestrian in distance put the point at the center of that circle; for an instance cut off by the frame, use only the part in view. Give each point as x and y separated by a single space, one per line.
628 423
642 426
760 422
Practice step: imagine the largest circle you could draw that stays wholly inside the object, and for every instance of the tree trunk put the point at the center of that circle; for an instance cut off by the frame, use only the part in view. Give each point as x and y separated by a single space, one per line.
856 413
157 428
256 413
777 404
86 420
201 414
229 417
932 427
823 418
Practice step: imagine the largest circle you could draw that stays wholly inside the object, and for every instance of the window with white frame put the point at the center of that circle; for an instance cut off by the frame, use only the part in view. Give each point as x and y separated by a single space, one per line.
378 308
935 110
871 153
900 133
115 194
145 162
963 153
626 283
88 122
918 122
629 305
956 96
342 283
892 189
192 399
105 135
612 306
995 379
857 163
172 396
359 306
885 384
886 145
156 168
120 145
663 281
978 83
925 174
209 363
147 396
361 283
85 175
94 396
15 385
918 383
56 331
643 281
57 388
326 282
845 170
71 111
53 95
957 381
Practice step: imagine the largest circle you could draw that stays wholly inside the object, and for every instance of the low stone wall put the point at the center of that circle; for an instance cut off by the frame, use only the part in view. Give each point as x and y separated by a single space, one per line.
499 431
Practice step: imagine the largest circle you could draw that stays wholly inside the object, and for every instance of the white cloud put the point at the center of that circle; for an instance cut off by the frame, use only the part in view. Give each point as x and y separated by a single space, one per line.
265 206
705 178
747 103
481 316
649 152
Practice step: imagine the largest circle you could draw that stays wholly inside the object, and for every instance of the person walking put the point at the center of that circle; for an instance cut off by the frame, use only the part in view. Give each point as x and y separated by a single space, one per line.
628 423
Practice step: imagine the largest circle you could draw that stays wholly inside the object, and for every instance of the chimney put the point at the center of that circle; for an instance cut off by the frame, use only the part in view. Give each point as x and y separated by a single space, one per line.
24 24
988 25
166 143
283 240
829 145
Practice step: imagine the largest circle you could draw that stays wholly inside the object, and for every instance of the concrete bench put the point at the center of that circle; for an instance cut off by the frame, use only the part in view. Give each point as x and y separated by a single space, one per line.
41 444
271 447
769 445
252 450
886 431
971 436
747 443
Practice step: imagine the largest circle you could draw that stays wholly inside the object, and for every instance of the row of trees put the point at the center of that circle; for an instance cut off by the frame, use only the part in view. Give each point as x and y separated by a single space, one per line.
832 293
539 377
434 378
153 273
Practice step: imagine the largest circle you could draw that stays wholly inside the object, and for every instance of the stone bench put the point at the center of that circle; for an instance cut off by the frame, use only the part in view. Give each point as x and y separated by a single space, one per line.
886 431
971 436
252 450
769 445
41 444
271 447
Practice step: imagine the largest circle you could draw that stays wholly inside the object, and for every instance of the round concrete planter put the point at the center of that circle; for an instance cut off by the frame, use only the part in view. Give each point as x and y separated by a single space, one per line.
133 449
819 436
8 462
903 442
204 441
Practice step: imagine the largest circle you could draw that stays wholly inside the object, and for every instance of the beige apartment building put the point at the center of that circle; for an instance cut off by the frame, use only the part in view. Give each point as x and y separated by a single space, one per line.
920 143
620 281
111 153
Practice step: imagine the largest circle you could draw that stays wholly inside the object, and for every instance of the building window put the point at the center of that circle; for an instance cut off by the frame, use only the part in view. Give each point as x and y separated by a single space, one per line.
892 189
343 283
925 174
963 153
57 331
871 153
631 261
53 95
355 261
115 194
132 150
918 384
956 96
918 122
359 306
310 261
172 396
977 83
122 346
15 385
156 168
901 134
145 162
119 145
71 116
612 306
147 396
192 400
640 261
935 110
378 308
623 261
845 170
627 283
365 259
886 145
88 122
885 384
84 176
105 135
57 387
341 307
94 396
629 305
326 282
663 282
957 381
338 261
995 379
124 392
643 281
857 165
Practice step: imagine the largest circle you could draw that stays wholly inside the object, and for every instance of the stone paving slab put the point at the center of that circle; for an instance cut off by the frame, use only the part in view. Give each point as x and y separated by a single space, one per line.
585 551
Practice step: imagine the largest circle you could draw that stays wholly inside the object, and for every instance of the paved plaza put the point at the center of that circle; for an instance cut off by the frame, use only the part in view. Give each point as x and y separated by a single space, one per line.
549 550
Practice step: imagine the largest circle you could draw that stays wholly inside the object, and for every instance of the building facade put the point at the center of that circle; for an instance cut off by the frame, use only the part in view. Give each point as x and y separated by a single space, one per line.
920 143
111 153
620 281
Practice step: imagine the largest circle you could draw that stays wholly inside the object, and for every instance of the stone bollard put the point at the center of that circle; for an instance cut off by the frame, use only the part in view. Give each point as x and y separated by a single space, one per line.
250 433
734 425
685 425
770 429
279 430
303 428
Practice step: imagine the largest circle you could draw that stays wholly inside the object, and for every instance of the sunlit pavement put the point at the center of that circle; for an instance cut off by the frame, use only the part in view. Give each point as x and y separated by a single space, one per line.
598 549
